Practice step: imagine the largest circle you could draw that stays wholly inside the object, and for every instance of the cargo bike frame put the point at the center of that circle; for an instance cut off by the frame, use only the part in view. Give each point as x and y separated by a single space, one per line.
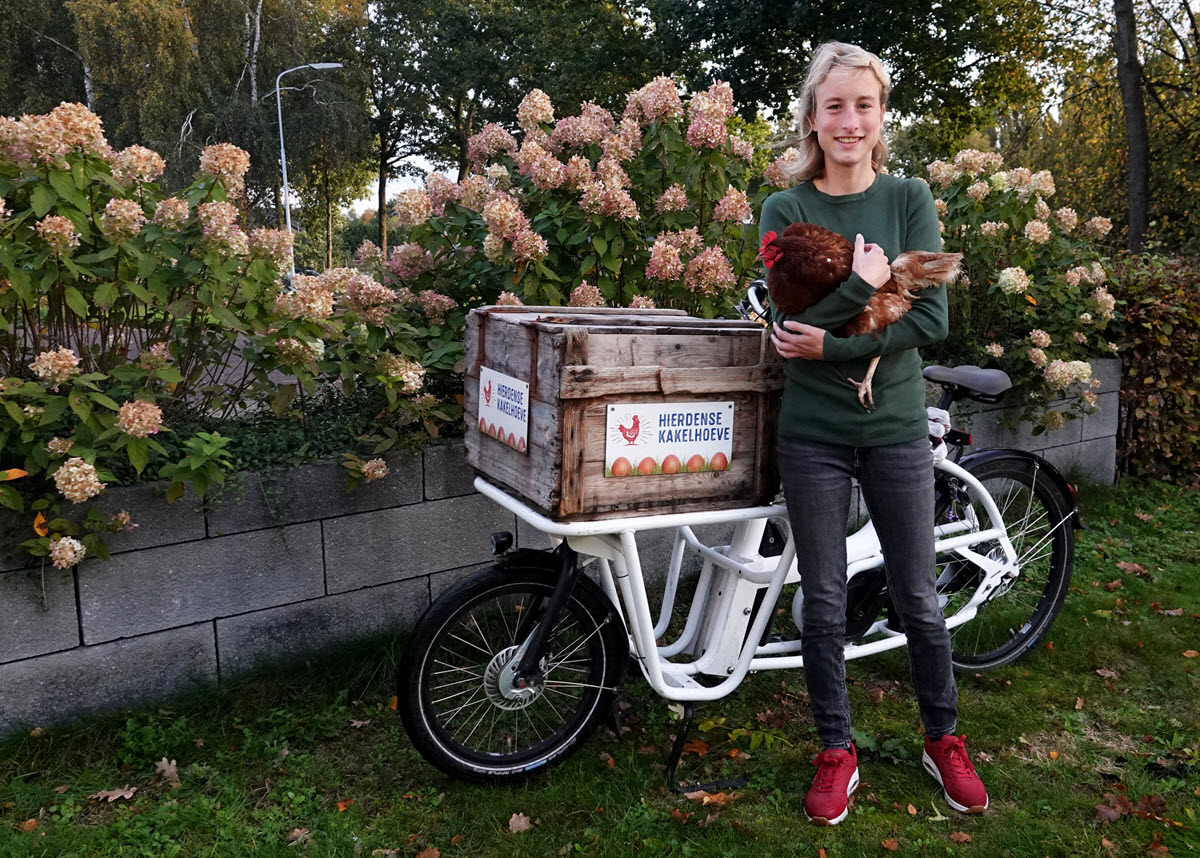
511 670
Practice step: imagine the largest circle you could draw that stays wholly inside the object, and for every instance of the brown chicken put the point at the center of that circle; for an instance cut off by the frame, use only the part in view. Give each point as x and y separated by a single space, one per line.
808 262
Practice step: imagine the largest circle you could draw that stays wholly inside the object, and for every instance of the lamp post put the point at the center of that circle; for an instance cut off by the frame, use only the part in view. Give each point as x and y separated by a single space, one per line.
287 209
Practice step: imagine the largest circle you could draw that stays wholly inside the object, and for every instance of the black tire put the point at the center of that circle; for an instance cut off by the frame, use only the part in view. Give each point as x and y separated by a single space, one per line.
1015 618
449 685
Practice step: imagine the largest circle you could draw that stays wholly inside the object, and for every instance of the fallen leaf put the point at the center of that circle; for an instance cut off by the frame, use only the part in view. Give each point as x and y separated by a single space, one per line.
1113 808
1134 569
37 731
342 805
1112 585
1190 653
821 853
737 754
39 525
358 725
744 829
960 837
607 759
877 696
61 789
114 794
1054 755
1108 844
395 702
297 834
1108 674
1050 645
168 771
1079 701
891 844
1171 612
681 817
431 852
26 826
199 743
699 747
1151 807
698 795
457 839
14 474
912 811
720 799
708 820
1156 847
1144 516
519 822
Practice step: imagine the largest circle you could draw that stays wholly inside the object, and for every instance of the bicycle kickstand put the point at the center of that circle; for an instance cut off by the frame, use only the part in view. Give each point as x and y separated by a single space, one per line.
677 751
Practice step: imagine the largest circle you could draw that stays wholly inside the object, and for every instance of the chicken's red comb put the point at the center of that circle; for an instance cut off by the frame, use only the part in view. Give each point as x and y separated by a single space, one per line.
766 253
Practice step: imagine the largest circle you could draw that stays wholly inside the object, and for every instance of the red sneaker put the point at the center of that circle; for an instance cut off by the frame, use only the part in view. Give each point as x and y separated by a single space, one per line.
947 760
836 780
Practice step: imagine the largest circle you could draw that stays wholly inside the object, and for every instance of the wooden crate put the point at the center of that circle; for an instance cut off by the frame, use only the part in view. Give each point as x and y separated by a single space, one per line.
578 361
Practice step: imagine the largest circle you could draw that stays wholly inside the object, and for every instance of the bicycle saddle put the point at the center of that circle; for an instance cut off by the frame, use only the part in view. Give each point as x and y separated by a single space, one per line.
987 384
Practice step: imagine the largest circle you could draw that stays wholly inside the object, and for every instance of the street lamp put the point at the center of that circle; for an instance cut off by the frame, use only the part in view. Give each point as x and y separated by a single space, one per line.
287 210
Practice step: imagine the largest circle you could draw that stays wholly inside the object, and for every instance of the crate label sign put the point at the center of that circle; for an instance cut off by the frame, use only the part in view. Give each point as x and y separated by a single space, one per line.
504 408
645 439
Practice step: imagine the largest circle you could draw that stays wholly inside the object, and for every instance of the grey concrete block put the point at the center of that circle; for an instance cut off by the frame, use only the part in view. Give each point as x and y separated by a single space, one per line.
311 492
447 473
158 522
30 627
1022 436
1092 461
57 688
158 588
393 544
985 425
306 628
1103 422
1109 371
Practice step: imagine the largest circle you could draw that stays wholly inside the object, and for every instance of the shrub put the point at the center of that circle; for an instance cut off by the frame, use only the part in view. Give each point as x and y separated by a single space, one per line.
1033 299
126 311
652 209
1160 426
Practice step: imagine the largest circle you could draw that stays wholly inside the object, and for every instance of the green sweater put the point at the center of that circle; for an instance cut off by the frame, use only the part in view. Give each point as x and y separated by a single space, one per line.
818 403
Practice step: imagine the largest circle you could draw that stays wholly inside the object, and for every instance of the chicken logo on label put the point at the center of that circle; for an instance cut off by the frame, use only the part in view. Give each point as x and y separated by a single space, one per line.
487 393
630 433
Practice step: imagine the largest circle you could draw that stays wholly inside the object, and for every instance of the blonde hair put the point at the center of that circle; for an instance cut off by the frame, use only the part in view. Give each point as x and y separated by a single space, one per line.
826 58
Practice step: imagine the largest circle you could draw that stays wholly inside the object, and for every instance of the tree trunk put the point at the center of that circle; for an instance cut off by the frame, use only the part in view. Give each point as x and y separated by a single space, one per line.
254 54
383 177
87 87
328 221
1129 76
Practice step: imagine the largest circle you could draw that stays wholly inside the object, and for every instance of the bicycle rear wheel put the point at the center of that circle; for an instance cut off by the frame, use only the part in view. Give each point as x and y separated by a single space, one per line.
1019 613
453 697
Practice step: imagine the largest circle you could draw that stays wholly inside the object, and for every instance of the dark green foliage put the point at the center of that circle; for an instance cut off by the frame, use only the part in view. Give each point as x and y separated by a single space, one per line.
1160 429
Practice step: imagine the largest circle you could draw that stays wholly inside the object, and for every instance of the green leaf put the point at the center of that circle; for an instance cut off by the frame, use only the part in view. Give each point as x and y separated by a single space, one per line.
101 399
64 184
106 295
54 408
11 498
76 301
15 412
600 244
42 200
136 450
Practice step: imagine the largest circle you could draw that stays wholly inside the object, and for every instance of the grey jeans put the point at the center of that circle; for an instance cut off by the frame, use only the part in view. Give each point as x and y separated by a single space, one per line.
897 486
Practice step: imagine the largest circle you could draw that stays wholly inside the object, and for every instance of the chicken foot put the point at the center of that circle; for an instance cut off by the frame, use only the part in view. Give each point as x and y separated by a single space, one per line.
865 398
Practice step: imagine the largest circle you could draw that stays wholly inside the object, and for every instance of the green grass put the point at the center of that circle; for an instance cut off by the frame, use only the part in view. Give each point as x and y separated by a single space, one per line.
1051 736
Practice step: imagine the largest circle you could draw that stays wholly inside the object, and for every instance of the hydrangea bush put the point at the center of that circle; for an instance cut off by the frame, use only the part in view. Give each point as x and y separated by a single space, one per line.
124 311
650 209
1033 299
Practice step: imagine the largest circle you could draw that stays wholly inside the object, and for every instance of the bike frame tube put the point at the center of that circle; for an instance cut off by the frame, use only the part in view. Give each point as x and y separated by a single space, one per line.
731 579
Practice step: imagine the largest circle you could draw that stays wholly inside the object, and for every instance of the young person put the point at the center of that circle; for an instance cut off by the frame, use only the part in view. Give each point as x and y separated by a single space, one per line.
826 438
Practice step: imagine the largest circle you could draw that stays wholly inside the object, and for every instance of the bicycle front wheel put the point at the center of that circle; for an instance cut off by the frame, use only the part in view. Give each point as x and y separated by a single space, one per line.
1019 613
456 698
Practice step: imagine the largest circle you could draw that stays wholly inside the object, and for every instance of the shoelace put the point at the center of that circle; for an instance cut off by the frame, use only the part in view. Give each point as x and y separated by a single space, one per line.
955 751
828 765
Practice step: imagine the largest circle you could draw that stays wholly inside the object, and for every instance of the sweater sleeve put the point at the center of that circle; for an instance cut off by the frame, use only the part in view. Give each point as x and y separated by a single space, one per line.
928 321
839 306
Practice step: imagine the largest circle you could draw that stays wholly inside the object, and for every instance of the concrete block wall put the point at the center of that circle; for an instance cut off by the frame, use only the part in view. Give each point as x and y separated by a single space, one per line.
280 567
1085 448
